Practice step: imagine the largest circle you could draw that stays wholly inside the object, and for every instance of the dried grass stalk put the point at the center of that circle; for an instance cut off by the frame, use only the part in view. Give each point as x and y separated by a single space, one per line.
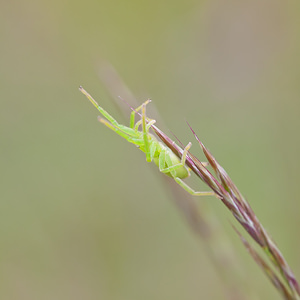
228 193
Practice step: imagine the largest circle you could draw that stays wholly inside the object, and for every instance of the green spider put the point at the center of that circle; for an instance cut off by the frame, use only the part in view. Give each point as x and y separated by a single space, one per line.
167 162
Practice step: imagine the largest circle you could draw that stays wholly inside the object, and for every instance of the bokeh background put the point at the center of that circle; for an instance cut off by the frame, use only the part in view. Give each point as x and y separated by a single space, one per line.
82 215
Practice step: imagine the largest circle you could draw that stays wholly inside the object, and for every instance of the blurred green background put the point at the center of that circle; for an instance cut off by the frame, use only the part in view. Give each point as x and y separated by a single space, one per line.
82 215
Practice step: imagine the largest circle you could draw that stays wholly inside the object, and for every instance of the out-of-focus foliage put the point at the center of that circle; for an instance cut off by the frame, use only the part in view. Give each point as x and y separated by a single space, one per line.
82 215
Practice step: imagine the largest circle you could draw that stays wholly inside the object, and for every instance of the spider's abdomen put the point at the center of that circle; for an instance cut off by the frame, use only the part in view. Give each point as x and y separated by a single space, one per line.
167 159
